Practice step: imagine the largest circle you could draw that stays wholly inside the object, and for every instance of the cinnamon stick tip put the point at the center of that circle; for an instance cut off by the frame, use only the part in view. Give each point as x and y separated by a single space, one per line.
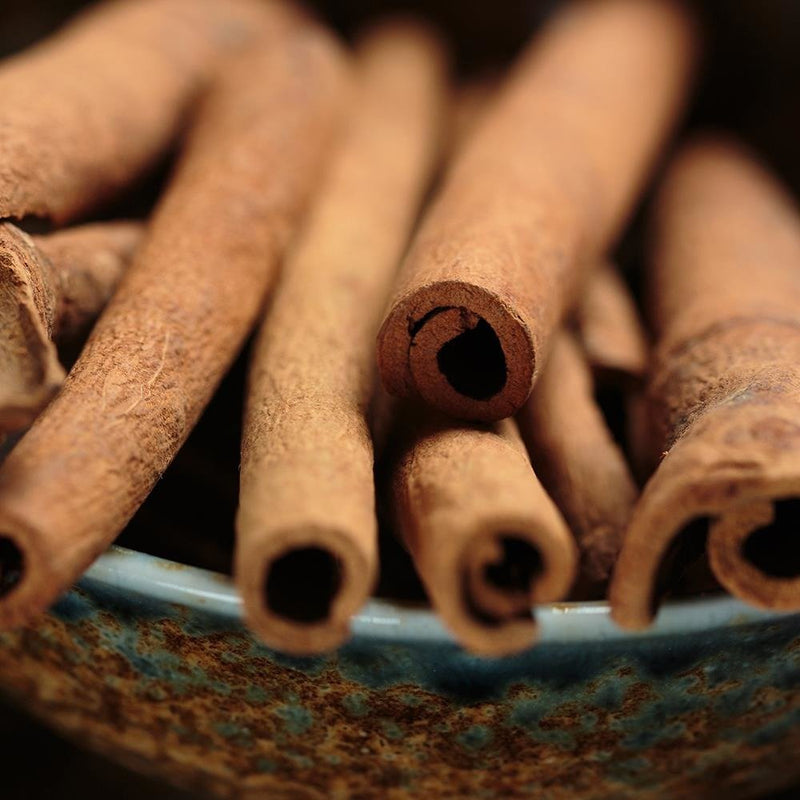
718 497
303 587
509 561
460 348
489 603
27 584
754 552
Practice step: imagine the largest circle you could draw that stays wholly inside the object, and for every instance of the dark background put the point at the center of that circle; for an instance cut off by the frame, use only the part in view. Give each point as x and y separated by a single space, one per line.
750 84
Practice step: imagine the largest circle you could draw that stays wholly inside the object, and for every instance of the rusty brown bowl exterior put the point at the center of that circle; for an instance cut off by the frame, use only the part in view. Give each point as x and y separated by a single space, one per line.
148 662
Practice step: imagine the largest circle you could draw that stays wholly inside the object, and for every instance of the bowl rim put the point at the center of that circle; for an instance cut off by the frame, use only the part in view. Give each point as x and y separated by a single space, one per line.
125 571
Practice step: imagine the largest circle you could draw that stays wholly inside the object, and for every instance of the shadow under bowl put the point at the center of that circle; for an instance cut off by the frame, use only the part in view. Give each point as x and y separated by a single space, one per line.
148 661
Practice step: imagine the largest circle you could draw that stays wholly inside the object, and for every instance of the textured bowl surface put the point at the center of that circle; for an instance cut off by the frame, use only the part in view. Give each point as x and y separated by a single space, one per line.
148 661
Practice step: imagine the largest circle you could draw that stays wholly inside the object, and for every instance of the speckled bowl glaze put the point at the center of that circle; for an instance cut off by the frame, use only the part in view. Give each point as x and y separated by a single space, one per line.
148 662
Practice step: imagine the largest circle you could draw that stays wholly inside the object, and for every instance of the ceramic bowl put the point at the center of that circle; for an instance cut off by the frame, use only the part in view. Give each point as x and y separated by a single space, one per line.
148 661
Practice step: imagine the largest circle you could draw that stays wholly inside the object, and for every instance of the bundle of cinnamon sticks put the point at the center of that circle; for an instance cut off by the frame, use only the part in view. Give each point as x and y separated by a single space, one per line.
537 437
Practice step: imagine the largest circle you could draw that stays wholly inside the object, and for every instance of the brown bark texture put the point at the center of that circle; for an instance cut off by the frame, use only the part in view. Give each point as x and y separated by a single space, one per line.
540 188
578 462
306 555
487 541
609 327
88 110
724 395
177 320
53 288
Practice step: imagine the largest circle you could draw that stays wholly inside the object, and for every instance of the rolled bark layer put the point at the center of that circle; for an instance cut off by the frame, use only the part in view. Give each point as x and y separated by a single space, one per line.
54 286
540 188
487 541
176 322
89 109
724 398
577 460
306 554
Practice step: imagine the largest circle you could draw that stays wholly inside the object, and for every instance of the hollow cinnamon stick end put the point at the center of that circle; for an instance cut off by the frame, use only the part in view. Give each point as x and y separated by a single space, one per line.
485 592
471 616
302 588
507 571
754 552
489 606
458 348
26 579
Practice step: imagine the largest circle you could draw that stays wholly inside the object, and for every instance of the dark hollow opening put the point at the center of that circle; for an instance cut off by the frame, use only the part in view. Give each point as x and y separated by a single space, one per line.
775 549
474 363
12 565
610 397
520 565
685 564
302 584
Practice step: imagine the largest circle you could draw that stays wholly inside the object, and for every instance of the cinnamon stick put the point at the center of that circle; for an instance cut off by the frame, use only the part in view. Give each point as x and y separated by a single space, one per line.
176 322
724 398
541 187
616 346
487 541
578 462
611 333
92 107
54 288
306 556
